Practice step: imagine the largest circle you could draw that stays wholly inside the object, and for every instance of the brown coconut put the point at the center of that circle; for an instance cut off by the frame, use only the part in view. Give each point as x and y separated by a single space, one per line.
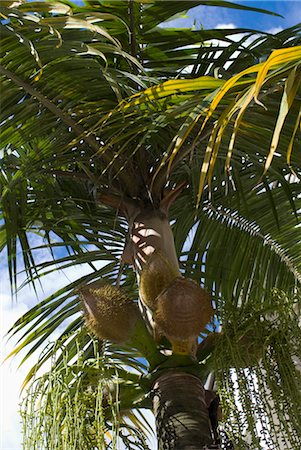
183 310
109 313
155 276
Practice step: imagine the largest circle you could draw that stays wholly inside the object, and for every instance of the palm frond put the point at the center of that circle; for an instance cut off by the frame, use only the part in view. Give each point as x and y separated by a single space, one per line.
84 403
258 372
217 106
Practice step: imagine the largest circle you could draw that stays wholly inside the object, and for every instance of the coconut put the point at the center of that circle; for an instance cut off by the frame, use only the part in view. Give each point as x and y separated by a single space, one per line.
155 276
182 311
109 313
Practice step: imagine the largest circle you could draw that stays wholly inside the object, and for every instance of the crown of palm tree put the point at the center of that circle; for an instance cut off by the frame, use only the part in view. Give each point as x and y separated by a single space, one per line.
105 113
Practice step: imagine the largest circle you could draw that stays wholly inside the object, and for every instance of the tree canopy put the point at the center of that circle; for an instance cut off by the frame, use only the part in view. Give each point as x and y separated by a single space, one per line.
104 107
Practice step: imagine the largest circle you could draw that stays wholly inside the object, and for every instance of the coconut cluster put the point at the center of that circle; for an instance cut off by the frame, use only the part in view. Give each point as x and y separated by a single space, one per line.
109 313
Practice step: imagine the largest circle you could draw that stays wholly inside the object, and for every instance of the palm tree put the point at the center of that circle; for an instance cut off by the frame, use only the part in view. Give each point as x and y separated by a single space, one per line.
174 162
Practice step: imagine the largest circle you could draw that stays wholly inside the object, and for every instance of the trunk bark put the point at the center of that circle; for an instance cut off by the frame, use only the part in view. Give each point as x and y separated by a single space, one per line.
151 231
181 413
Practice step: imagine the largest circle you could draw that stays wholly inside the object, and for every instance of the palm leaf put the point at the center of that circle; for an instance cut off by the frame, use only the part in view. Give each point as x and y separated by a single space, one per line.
99 394
280 66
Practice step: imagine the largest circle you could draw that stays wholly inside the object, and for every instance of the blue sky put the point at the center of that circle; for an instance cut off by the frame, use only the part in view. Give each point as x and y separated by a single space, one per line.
10 377
211 17
291 10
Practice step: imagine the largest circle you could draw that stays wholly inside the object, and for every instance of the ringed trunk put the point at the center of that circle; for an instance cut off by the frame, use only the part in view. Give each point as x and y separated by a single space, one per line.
181 413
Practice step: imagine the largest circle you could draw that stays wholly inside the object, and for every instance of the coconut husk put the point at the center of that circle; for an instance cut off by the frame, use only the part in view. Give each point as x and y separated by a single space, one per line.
183 310
109 313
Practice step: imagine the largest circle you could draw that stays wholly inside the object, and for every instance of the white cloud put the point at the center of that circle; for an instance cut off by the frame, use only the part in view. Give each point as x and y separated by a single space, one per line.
226 26
207 16
201 17
274 30
10 379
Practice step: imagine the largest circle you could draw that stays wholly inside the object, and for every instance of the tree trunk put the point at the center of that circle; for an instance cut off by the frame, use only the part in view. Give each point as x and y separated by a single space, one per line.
179 405
181 413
